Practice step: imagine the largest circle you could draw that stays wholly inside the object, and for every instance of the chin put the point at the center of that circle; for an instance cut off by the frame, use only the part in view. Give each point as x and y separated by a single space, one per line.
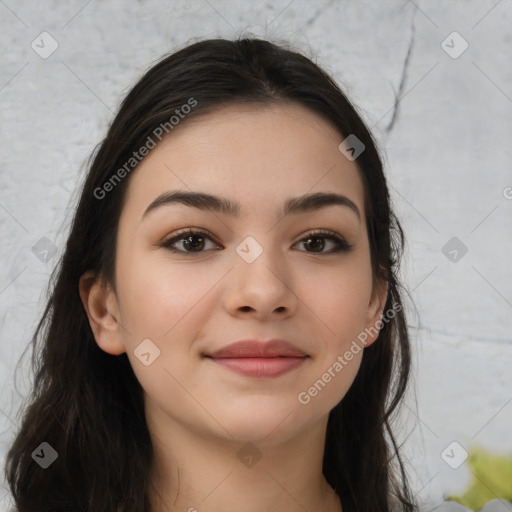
260 426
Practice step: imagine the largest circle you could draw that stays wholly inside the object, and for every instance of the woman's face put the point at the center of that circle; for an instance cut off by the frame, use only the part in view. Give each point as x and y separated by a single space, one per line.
257 275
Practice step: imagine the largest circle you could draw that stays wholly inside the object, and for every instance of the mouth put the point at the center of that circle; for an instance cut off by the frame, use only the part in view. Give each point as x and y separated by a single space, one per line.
253 358
260 366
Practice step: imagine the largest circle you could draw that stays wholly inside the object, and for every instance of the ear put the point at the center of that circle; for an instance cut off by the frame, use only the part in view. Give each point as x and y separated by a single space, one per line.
375 311
100 304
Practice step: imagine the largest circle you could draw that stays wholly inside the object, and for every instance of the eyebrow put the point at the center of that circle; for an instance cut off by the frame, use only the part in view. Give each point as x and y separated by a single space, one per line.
209 202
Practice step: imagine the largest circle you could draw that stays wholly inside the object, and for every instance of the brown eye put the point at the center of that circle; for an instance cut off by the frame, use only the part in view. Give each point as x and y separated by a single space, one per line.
313 243
316 242
194 242
191 242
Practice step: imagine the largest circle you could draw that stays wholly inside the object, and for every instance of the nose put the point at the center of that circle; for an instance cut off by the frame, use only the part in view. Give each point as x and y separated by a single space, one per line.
262 289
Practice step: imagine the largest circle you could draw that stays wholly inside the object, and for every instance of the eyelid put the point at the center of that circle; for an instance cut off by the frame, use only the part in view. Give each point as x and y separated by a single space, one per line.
190 231
341 243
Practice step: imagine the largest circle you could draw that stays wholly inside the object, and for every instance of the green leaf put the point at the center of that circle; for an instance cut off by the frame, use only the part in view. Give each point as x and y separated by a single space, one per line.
492 478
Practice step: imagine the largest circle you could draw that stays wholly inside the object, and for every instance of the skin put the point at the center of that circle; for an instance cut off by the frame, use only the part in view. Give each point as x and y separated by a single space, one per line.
200 414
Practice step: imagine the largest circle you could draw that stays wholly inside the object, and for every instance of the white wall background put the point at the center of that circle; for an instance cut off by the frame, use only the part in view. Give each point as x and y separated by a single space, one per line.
448 158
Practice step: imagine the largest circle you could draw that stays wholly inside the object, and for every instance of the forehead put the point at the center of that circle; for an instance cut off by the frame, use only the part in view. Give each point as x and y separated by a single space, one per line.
258 155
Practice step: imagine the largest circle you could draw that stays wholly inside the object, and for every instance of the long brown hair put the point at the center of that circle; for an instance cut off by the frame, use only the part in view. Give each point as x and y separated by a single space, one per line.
88 405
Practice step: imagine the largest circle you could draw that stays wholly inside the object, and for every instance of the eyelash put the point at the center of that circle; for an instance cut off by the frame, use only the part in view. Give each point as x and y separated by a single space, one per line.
341 244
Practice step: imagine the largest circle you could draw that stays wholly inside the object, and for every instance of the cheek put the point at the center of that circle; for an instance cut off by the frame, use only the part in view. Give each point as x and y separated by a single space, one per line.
159 297
163 303
339 299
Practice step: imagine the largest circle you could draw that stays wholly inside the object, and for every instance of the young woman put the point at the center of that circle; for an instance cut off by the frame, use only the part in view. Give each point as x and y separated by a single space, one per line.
225 331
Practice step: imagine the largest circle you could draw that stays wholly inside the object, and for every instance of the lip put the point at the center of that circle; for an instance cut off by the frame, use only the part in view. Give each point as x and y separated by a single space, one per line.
253 358
259 349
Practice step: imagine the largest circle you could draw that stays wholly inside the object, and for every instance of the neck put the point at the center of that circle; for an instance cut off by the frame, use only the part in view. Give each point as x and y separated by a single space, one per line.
194 473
